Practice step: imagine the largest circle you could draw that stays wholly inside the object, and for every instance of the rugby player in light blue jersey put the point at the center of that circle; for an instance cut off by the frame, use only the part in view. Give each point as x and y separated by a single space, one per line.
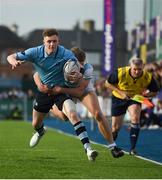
85 92
49 60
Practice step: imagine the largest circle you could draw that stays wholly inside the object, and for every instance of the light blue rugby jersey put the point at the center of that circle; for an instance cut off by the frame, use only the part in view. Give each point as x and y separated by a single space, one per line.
50 68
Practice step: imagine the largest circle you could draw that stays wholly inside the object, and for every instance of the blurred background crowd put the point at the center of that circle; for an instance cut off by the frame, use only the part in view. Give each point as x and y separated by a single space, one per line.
143 39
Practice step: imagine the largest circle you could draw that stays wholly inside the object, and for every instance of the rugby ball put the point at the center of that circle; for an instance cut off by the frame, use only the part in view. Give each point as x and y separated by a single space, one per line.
70 67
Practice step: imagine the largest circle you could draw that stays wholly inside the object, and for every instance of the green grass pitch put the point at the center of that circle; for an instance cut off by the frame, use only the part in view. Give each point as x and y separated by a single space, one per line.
59 156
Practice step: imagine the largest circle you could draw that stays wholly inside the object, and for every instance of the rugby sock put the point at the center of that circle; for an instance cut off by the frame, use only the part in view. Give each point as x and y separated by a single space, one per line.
40 129
82 134
111 146
115 135
134 132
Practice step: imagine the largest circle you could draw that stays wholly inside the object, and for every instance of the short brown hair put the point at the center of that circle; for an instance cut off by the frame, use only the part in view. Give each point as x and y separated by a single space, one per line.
79 54
50 32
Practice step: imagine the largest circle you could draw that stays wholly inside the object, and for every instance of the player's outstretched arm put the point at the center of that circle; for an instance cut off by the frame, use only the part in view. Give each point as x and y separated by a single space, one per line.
13 61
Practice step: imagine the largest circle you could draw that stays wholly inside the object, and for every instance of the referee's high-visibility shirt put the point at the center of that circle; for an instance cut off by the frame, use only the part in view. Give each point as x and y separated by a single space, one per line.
124 81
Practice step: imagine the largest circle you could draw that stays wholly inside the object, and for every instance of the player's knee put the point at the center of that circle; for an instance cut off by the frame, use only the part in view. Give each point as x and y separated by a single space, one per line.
69 109
68 106
135 118
73 115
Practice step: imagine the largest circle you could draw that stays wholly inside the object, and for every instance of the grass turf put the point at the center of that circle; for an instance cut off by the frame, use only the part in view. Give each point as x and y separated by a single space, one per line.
59 156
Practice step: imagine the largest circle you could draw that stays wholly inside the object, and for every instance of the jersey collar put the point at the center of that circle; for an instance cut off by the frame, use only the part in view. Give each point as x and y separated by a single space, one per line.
51 55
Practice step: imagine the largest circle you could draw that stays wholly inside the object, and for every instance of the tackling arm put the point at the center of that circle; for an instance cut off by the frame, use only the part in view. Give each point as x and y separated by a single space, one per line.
76 92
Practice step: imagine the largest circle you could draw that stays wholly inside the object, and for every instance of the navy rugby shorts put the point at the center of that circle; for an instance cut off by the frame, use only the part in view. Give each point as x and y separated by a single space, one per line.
43 102
120 106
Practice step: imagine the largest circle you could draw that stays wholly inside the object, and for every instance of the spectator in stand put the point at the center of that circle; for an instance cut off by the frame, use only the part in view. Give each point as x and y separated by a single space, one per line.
158 112
148 118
